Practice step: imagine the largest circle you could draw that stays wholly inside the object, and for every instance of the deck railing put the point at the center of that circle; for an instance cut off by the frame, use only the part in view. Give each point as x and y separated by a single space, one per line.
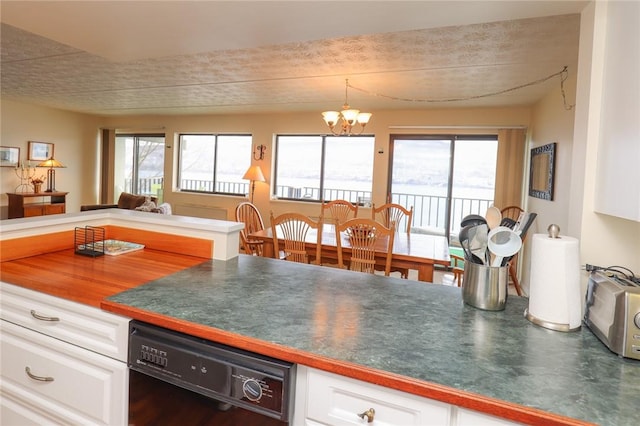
429 211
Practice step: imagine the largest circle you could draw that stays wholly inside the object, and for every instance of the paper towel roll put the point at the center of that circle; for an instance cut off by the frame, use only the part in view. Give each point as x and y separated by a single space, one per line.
554 290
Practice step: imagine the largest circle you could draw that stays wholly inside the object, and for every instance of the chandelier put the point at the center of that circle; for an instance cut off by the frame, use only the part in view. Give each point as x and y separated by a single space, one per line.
348 117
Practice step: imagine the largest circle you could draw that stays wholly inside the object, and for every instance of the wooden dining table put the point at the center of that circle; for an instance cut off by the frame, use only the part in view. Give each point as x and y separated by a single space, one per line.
419 252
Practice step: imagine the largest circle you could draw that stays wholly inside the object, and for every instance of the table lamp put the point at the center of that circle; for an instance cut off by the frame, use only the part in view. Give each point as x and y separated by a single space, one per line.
51 163
254 173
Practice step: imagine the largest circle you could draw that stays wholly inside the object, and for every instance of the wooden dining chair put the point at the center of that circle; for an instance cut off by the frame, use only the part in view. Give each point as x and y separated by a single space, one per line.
249 214
457 266
513 212
294 228
363 235
394 213
391 212
341 210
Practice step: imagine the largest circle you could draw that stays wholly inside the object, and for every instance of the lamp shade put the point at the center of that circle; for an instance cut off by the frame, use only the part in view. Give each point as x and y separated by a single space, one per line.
51 163
254 173
364 117
331 117
350 115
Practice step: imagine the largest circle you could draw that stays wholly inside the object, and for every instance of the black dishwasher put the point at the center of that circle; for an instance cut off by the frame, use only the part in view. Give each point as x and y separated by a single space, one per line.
180 379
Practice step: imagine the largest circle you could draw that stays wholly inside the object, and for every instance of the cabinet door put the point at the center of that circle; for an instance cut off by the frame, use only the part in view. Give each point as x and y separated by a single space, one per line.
336 400
53 208
73 383
72 322
33 210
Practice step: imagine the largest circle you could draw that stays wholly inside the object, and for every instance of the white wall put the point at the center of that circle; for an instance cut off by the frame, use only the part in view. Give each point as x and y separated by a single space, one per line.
74 137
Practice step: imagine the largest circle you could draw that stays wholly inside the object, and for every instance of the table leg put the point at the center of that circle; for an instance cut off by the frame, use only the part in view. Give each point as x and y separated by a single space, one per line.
425 273
267 249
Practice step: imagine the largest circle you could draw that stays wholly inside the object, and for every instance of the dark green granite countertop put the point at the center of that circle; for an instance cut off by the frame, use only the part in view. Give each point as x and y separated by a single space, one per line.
410 328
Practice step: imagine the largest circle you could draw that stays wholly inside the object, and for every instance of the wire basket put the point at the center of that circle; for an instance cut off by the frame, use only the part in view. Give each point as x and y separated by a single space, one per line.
89 241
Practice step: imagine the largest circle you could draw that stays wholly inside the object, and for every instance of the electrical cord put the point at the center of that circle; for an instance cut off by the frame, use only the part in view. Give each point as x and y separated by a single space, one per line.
620 270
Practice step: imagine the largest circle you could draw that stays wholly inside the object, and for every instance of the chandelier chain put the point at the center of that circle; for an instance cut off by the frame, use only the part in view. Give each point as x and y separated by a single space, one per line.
563 76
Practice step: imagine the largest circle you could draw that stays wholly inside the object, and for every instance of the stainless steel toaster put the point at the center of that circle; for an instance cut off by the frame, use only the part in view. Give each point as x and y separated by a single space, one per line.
612 312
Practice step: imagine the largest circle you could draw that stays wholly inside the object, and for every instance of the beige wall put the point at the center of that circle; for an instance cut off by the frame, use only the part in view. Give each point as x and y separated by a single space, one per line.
74 136
263 127
551 122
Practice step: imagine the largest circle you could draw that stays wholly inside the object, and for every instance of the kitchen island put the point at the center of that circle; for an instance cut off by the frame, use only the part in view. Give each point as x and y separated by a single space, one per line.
404 335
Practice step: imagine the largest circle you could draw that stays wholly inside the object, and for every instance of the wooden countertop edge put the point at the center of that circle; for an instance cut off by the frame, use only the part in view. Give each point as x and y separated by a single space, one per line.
430 390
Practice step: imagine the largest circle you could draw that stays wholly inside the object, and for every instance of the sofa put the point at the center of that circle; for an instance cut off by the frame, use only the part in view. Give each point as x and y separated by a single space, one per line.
133 202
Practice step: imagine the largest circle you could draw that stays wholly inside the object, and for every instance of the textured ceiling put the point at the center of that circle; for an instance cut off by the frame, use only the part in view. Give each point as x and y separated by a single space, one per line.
284 68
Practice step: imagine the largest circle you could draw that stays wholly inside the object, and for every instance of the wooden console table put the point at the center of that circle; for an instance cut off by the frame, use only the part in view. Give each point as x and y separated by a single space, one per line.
30 204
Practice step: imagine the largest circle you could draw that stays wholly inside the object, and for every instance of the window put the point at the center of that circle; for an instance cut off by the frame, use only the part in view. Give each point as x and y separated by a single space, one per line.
444 178
139 164
214 163
324 168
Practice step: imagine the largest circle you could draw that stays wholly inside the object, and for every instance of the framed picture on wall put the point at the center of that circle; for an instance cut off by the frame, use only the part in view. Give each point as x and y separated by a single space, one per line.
9 156
542 171
40 151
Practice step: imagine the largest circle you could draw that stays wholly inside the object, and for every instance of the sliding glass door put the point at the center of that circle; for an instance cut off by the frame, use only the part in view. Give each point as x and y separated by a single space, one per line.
444 178
139 165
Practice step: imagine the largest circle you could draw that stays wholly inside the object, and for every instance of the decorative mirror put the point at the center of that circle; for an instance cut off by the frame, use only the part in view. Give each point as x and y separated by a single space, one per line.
541 171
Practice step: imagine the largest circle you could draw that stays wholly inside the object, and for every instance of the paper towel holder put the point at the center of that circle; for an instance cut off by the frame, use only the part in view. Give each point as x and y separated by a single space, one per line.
549 324
565 316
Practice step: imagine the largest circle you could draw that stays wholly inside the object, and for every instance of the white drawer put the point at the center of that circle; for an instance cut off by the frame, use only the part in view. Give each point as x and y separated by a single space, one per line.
474 418
76 323
335 400
87 388
14 412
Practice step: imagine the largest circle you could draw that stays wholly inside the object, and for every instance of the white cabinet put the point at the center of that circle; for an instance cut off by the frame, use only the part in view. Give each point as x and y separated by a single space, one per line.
473 418
62 362
76 385
72 322
327 399
618 175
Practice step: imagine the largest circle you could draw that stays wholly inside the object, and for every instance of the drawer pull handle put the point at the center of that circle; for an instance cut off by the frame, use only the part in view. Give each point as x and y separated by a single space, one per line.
368 414
38 378
43 318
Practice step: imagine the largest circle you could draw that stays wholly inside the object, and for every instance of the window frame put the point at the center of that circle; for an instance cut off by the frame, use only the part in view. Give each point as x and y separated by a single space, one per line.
135 172
215 163
323 138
